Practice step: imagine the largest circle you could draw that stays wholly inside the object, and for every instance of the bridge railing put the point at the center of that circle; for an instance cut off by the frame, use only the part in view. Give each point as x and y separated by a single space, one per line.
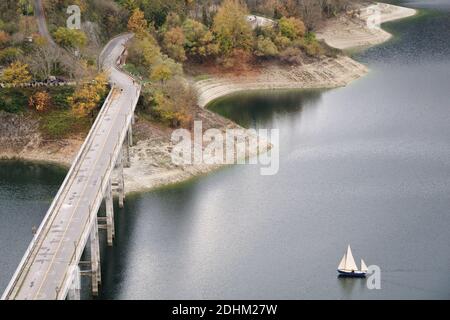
21 270
48 216
96 202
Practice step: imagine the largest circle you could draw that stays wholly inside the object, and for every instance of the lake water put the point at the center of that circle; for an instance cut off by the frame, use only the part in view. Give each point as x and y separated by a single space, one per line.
366 165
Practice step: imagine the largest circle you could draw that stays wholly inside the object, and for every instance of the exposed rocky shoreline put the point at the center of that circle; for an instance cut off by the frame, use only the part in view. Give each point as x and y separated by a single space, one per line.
151 164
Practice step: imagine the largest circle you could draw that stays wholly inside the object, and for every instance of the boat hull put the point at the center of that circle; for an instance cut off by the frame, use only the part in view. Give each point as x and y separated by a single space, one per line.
354 274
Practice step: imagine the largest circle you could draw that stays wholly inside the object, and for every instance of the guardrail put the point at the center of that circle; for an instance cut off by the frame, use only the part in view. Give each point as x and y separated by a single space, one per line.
48 215
96 202
48 218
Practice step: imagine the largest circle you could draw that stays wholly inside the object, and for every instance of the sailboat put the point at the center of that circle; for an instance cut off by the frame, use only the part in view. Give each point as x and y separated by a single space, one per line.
348 268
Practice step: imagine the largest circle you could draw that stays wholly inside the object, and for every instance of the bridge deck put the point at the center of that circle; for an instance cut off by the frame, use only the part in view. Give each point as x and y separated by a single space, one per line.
43 273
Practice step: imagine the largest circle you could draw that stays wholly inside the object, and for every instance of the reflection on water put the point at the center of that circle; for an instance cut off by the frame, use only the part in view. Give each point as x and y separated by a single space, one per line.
26 191
249 109
368 165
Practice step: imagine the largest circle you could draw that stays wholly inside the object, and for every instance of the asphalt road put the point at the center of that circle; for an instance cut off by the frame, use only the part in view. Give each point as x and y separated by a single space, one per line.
46 265
42 25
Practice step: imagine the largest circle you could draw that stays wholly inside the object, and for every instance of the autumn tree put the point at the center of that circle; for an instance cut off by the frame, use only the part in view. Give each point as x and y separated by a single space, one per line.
137 23
143 53
40 101
173 43
70 38
165 69
16 73
231 27
265 47
87 97
199 41
291 28
173 103
4 39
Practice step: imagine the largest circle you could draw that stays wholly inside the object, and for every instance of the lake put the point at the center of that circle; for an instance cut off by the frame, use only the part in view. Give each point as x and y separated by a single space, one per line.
366 165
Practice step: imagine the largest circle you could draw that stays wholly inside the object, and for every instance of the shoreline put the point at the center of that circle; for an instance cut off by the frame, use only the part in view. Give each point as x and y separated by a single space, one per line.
150 157
326 73
351 31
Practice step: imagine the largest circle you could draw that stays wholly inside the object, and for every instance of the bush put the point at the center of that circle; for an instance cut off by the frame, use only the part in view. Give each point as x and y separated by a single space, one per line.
292 28
13 100
40 101
265 48
9 55
291 56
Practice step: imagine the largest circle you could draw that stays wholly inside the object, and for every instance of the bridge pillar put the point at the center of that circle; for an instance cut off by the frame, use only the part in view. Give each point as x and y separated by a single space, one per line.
130 134
95 258
126 150
75 286
109 215
120 180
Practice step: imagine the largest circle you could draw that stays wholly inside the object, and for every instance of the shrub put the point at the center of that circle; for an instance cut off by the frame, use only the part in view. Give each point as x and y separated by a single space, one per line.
291 28
291 56
16 73
12 100
40 101
9 55
265 47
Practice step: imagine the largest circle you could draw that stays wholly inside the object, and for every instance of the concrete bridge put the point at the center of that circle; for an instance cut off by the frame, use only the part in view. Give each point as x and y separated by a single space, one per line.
50 268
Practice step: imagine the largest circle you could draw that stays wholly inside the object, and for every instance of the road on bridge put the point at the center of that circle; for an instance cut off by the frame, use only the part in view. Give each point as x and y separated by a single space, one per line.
44 268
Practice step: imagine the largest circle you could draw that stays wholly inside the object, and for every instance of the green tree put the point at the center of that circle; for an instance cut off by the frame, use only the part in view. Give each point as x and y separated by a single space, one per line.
200 41
70 38
173 42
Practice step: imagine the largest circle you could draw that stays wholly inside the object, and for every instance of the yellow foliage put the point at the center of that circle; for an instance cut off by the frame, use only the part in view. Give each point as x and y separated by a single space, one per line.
137 23
87 97
40 101
17 73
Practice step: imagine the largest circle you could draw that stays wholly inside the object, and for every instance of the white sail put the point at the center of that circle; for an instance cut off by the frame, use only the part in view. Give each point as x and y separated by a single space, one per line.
363 266
342 263
350 264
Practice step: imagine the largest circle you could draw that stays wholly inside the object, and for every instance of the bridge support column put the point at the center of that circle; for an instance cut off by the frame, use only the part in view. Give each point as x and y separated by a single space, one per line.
121 188
95 258
75 286
109 215
130 135
120 180
126 151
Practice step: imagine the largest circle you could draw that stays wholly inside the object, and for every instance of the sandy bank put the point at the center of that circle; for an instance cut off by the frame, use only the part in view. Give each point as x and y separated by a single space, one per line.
326 73
151 160
151 163
354 29
20 139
